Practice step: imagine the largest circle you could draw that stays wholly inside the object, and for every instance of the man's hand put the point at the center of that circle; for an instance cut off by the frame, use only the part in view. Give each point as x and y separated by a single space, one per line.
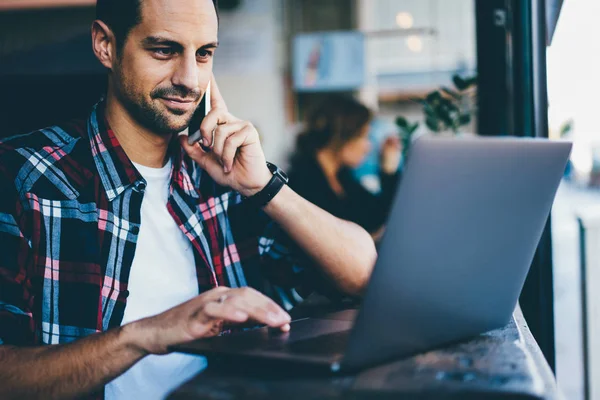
205 316
234 155
77 369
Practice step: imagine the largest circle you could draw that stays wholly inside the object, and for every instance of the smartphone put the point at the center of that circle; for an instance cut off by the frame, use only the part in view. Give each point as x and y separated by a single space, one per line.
203 109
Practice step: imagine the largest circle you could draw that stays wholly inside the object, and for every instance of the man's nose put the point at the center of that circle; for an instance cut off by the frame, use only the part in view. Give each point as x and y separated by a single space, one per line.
186 75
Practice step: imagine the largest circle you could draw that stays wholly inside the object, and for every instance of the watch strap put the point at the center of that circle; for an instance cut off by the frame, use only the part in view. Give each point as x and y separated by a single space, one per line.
275 184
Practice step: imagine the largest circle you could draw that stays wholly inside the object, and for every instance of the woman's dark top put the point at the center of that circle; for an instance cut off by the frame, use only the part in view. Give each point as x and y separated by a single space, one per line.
357 204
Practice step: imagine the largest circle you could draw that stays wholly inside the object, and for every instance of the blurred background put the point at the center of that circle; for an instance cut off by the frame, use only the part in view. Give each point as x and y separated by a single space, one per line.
447 67
384 51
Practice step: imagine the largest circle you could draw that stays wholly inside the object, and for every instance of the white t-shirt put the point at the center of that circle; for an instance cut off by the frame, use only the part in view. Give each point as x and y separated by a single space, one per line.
163 275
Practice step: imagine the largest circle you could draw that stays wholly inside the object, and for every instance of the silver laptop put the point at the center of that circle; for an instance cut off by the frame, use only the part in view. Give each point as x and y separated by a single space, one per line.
462 233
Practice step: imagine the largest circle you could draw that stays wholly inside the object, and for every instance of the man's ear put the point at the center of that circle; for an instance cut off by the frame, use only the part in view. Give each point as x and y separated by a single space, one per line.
103 43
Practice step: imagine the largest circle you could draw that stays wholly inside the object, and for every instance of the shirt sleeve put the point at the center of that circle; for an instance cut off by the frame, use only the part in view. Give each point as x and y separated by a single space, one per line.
294 274
287 274
16 321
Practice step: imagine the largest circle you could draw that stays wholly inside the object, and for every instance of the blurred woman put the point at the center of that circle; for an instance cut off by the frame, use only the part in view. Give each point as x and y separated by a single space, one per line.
335 141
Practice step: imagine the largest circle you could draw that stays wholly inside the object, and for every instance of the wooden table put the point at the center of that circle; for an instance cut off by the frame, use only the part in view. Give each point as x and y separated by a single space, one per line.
503 364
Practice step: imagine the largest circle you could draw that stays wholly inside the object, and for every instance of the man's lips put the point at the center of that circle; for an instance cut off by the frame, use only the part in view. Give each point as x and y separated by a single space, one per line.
180 104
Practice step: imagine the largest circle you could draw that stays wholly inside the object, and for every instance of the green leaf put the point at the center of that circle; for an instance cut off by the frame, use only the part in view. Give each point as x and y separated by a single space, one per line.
566 128
413 128
471 81
447 119
449 105
451 92
402 122
465 119
429 110
459 82
433 97
433 124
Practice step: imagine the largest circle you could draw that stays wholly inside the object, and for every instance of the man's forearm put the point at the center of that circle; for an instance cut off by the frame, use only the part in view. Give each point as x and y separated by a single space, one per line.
66 371
345 250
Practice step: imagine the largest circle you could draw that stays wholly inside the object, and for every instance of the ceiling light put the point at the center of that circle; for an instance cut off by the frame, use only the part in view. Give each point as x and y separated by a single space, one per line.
404 20
414 44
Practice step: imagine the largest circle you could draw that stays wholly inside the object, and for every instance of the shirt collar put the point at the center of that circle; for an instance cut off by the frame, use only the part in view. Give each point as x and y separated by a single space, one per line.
116 170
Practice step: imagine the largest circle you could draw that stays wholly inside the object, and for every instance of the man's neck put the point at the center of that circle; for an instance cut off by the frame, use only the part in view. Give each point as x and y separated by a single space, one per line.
141 145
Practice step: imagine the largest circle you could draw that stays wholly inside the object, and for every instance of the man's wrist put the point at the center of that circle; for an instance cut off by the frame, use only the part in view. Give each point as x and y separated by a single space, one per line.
279 202
131 336
278 179
263 182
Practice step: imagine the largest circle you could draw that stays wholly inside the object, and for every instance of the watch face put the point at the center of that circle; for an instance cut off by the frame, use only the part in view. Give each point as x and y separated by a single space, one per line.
275 170
283 175
272 167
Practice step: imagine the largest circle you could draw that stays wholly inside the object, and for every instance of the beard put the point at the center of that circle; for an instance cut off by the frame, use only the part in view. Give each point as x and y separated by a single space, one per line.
152 114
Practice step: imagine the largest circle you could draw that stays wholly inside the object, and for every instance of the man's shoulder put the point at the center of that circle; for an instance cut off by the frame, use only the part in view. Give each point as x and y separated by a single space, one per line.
41 156
51 137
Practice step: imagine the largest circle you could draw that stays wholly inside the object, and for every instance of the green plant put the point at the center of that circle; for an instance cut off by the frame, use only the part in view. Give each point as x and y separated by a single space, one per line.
445 109
449 109
566 128
407 130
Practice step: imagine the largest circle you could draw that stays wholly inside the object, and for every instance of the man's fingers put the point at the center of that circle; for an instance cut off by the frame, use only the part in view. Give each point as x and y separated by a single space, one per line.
261 308
259 312
232 144
217 116
225 311
222 132
216 100
209 124
214 120
193 150
241 305
208 161
223 307
214 294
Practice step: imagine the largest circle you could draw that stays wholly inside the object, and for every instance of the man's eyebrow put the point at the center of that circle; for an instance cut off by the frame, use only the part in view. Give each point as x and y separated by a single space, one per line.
158 40
212 45
161 41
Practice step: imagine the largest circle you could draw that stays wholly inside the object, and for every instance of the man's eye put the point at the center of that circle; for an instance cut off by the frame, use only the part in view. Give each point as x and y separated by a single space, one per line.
163 51
204 53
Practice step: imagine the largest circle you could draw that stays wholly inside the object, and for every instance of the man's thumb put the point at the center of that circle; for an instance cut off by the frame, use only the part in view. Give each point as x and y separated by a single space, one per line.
204 159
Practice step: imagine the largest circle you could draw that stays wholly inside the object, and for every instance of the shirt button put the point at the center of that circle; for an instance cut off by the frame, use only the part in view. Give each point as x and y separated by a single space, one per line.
140 186
135 230
126 293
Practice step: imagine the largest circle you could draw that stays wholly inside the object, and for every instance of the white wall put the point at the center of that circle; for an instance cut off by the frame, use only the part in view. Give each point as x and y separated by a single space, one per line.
249 69
445 30
453 44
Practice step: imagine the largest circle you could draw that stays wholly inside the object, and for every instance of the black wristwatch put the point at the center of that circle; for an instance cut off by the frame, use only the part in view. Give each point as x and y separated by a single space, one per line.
278 180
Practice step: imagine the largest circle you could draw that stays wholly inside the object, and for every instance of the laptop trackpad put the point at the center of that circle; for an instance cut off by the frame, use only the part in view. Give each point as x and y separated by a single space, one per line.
345 315
312 327
312 336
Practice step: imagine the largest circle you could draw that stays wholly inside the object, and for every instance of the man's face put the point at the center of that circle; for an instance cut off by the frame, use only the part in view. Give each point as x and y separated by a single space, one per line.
166 63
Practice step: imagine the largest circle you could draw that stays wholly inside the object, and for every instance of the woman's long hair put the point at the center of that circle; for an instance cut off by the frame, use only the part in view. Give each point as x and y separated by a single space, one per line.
334 122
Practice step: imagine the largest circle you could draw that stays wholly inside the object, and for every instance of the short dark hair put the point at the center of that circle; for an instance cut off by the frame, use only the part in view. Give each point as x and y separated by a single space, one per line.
122 16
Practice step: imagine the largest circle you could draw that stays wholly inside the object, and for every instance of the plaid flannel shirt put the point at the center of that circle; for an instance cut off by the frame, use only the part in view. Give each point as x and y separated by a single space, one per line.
70 202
